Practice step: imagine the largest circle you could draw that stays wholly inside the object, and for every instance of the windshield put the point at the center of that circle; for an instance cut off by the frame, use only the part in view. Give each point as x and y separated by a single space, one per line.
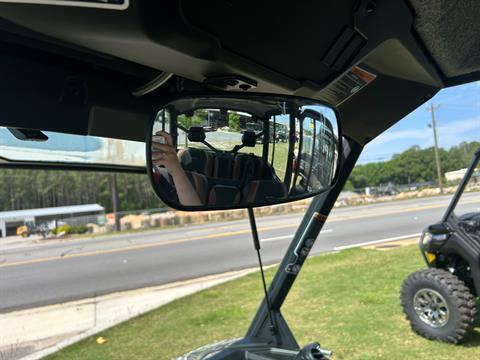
77 149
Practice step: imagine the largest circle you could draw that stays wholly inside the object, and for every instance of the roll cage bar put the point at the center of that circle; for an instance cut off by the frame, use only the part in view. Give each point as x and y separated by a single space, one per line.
461 187
261 333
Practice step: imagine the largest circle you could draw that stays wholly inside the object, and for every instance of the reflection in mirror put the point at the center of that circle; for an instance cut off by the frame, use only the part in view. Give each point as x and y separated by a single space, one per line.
228 152
72 149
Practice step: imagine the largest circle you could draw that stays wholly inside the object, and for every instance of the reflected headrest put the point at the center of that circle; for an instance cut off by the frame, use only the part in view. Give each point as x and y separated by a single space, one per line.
196 134
196 160
248 138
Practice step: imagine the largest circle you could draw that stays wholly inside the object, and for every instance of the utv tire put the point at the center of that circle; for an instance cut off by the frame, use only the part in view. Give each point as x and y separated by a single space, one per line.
438 305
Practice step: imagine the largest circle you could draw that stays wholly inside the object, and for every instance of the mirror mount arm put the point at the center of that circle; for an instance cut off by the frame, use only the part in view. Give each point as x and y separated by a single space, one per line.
181 127
211 147
296 255
236 148
204 142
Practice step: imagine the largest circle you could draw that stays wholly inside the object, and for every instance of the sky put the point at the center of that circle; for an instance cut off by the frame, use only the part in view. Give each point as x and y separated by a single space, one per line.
457 118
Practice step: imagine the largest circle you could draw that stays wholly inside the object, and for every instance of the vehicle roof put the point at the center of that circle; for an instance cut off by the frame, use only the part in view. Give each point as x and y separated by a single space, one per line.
59 210
77 66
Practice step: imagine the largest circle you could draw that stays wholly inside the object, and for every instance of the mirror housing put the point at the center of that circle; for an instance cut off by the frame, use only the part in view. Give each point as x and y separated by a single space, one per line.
238 150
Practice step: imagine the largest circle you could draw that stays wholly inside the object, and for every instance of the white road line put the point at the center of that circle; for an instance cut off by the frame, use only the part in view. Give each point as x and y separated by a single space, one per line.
275 238
338 248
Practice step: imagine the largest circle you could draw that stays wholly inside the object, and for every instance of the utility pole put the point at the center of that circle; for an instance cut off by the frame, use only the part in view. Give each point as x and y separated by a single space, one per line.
114 192
432 109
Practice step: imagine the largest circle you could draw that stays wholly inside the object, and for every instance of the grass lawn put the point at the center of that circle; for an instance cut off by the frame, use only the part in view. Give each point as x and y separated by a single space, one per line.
348 301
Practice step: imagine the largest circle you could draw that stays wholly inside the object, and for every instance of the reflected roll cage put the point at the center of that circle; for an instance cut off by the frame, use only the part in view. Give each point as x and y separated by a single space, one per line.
266 138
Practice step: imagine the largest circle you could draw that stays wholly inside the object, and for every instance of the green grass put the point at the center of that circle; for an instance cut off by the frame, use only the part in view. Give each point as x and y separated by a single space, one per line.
348 301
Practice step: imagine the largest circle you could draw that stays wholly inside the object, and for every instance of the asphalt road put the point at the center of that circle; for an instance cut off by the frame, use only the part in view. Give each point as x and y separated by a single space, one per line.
57 272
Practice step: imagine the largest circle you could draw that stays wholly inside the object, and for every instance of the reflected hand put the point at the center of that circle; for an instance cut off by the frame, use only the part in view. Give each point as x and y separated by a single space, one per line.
165 154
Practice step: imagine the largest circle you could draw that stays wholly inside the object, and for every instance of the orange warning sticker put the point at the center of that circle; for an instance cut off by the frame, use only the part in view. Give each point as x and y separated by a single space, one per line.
363 74
347 85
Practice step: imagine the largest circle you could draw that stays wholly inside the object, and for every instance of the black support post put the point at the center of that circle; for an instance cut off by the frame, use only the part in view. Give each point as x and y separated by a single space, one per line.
296 255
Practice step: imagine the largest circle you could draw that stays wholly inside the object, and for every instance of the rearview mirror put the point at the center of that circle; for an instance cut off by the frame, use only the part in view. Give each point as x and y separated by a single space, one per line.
242 150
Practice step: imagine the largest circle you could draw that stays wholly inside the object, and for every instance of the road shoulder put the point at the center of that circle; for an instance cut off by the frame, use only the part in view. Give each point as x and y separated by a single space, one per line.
89 316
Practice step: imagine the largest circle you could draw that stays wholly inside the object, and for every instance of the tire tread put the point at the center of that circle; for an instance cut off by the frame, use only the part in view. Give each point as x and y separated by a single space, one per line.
464 299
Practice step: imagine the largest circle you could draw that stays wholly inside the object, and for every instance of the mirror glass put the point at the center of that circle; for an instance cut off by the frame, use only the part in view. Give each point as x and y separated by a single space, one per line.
224 152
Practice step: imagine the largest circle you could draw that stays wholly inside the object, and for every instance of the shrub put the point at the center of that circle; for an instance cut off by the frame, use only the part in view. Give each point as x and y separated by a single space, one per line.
62 228
79 229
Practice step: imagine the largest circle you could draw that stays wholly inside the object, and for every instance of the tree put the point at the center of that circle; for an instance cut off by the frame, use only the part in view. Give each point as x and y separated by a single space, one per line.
189 121
234 121
27 189
412 165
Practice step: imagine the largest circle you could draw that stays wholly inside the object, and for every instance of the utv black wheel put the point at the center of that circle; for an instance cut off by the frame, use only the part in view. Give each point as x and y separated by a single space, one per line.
438 305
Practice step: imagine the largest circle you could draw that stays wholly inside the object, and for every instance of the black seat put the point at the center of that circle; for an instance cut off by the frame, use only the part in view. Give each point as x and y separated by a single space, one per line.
224 195
227 179
258 191
222 165
247 167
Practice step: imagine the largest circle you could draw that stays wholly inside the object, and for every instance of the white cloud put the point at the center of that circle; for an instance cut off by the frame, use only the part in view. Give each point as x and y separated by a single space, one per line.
399 135
448 135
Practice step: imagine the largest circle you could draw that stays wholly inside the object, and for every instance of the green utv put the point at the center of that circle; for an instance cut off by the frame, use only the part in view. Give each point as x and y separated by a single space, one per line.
439 301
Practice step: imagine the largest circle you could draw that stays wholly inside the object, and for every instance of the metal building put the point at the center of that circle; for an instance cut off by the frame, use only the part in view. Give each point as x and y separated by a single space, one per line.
10 220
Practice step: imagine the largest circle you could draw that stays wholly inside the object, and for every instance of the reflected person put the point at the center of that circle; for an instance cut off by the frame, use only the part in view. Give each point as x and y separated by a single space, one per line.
164 154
